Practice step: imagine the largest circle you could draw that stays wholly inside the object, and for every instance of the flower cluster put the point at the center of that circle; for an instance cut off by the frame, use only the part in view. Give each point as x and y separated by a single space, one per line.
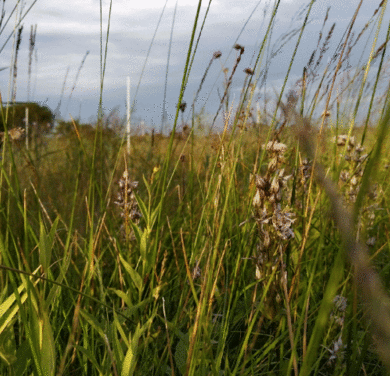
274 222
127 202
351 177
340 306
337 315
304 173
356 162
267 201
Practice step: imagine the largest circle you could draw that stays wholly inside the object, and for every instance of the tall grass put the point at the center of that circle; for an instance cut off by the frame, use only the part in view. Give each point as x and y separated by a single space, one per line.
260 249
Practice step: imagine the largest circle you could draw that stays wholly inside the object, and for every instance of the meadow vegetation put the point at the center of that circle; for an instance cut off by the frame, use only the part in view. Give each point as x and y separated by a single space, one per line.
258 249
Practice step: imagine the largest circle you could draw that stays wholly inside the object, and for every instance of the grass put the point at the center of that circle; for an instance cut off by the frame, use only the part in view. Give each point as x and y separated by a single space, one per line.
260 249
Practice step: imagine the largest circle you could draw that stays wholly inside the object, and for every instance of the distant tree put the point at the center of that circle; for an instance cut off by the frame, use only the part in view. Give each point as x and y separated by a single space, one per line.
40 117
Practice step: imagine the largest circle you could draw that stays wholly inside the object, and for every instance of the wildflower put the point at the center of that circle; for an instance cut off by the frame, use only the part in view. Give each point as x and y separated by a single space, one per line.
127 202
197 271
274 223
340 303
282 221
336 350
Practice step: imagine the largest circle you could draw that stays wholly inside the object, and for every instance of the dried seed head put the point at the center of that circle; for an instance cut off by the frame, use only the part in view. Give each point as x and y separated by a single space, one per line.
261 183
249 71
217 54
276 147
266 239
341 139
282 221
197 271
273 165
126 200
240 48
14 134
359 148
275 185
257 200
344 176
354 181
183 106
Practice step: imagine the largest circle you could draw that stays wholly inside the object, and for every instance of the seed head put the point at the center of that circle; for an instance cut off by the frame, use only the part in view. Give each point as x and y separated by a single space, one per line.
183 106
127 201
249 71
240 48
276 147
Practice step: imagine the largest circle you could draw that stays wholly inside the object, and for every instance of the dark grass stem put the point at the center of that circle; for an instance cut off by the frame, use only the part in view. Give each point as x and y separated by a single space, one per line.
340 60
76 78
366 70
166 71
147 55
17 24
375 84
163 187
236 41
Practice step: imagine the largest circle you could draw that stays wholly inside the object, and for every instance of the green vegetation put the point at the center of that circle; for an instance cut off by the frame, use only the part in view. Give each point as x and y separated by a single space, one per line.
259 250
40 116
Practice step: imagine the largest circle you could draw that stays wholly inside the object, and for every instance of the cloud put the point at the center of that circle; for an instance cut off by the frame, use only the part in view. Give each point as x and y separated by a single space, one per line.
67 29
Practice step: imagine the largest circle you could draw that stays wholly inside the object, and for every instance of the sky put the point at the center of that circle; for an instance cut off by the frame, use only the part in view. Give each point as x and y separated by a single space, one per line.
69 31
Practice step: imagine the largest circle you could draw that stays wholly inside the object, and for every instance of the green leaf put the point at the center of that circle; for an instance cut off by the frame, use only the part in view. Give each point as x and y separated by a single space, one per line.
93 322
8 310
46 242
181 353
135 277
123 296
116 343
90 356
7 346
144 246
48 357
142 207
24 356
64 266
130 361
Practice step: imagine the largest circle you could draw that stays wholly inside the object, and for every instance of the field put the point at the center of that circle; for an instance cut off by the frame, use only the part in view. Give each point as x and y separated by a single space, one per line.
258 249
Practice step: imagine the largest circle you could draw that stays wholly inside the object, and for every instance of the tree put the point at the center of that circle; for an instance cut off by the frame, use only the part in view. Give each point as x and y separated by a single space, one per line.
40 117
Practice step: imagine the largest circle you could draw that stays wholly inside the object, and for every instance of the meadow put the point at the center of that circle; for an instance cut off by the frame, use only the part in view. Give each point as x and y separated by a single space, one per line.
258 249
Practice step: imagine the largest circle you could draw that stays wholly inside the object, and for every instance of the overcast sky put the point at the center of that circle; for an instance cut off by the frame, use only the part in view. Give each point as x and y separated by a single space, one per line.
66 30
